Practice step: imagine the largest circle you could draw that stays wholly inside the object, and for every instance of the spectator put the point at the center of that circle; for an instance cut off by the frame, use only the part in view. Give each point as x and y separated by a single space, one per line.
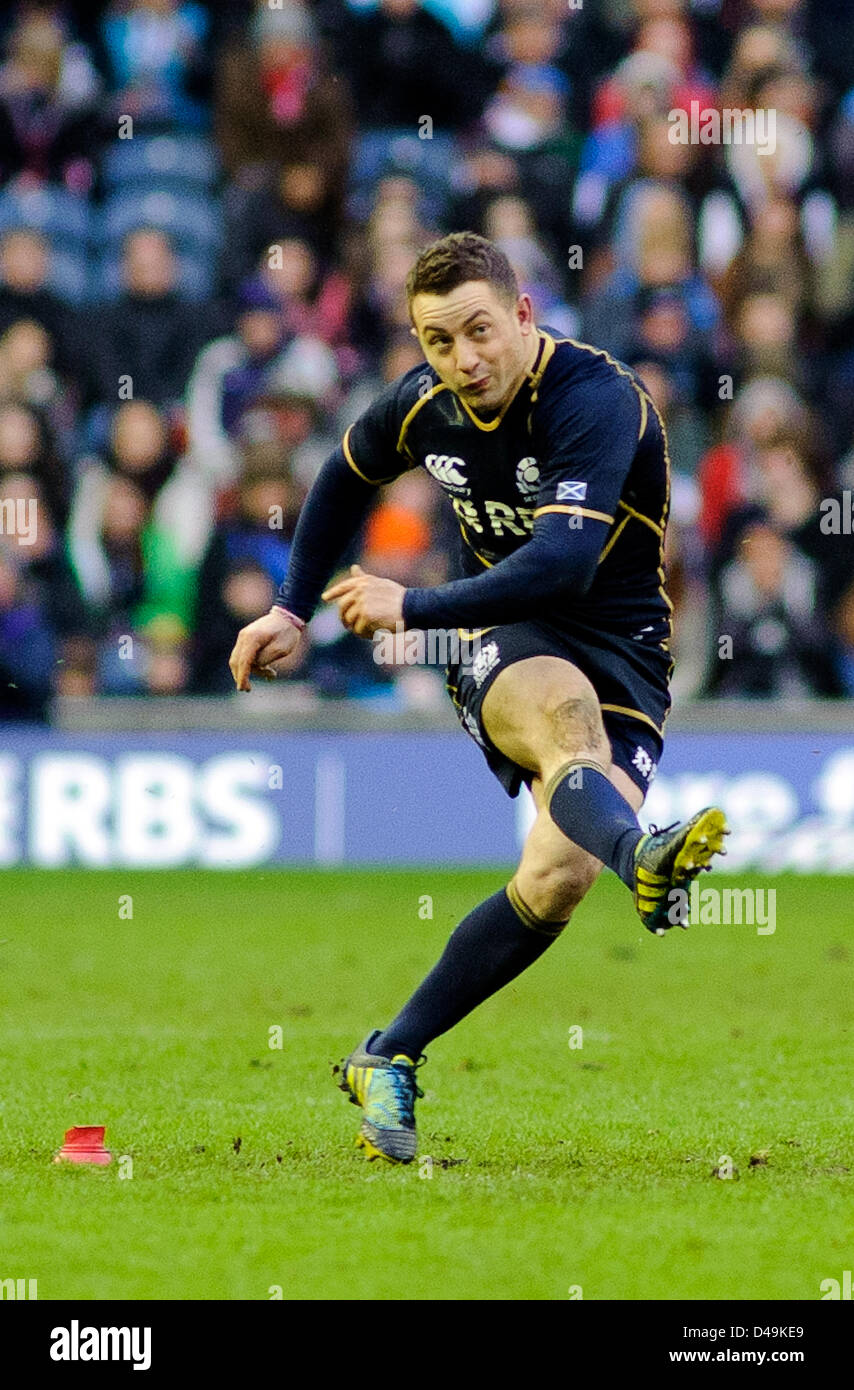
125 547
247 552
728 475
657 299
108 568
41 562
664 45
687 426
25 294
527 109
27 645
140 447
246 591
315 304
259 334
780 647
48 121
511 224
403 63
149 335
26 447
256 218
526 120
772 260
766 331
124 489
278 109
158 62
399 533
275 361
28 378
767 74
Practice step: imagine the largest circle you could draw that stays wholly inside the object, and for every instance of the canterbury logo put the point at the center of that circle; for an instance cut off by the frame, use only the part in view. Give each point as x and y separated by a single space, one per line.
446 469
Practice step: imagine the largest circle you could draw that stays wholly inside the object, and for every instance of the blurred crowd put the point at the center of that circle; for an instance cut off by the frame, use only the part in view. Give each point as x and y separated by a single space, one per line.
207 214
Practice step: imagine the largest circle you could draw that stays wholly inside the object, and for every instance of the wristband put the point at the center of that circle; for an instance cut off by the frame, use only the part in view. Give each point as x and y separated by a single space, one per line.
297 622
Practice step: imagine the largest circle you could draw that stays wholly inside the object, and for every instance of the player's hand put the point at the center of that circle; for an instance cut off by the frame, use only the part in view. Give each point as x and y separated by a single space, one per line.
260 645
367 603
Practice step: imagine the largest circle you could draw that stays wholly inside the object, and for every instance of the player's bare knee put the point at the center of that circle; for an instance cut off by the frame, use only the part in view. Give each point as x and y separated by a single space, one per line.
574 730
576 724
553 891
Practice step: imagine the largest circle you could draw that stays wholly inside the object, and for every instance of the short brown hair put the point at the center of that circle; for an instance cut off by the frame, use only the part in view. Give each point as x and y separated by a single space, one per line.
455 260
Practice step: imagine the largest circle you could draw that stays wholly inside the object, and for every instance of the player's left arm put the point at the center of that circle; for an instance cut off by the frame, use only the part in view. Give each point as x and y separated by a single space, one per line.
587 435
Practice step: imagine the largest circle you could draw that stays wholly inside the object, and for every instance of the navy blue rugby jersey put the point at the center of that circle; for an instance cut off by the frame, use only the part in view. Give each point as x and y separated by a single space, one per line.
580 445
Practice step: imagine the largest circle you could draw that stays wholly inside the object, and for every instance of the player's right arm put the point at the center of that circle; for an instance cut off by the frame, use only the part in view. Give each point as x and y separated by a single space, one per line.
339 501
331 516
261 644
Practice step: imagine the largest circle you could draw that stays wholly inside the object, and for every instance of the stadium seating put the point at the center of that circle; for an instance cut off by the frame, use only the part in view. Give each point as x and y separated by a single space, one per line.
193 222
195 276
380 153
173 162
64 218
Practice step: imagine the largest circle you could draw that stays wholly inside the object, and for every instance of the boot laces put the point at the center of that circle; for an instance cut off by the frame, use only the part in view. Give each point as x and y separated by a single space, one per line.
662 829
404 1086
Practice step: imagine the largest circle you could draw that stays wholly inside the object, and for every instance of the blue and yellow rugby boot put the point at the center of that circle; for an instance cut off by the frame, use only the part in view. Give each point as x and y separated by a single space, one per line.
667 860
385 1088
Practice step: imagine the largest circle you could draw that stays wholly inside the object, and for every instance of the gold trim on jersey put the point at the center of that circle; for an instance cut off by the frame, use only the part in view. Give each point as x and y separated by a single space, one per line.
574 511
662 581
644 396
644 412
377 482
645 399
401 438
543 358
345 445
639 516
480 557
411 414
488 425
614 537
599 352
532 378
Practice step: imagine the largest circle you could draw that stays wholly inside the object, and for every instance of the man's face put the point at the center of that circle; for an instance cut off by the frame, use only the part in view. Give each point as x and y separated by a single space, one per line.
149 266
479 343
23 261
261 331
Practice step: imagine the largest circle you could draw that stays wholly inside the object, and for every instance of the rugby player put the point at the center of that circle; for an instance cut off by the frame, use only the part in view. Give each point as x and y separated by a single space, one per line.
555 460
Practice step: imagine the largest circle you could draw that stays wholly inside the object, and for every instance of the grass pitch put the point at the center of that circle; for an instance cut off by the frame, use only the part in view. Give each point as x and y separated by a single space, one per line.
553 1168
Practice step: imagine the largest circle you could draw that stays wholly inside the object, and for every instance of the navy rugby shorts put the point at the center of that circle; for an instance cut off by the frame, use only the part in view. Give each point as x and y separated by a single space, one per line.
630 674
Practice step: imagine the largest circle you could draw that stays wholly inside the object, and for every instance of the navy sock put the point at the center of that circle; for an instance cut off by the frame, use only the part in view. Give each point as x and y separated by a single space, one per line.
490 947
587 807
